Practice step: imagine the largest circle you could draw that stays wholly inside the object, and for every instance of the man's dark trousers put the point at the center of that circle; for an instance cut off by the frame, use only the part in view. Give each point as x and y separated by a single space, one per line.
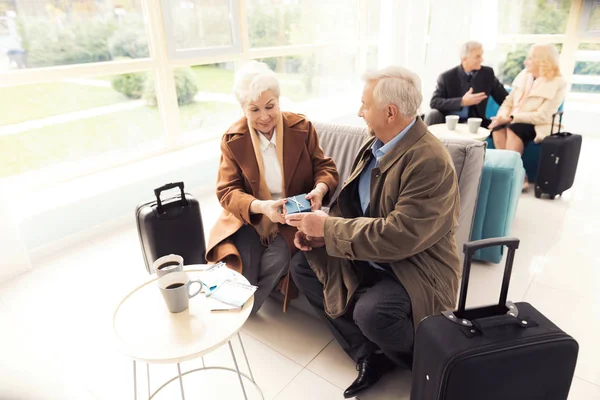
379 317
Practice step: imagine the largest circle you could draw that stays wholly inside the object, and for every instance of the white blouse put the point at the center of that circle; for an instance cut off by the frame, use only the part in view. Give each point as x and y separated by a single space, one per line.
271 166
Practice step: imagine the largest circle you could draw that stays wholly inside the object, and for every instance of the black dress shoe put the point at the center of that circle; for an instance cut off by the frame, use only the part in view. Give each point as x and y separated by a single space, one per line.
370 369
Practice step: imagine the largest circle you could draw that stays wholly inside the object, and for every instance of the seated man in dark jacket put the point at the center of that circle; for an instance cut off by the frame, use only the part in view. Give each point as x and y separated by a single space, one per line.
463 90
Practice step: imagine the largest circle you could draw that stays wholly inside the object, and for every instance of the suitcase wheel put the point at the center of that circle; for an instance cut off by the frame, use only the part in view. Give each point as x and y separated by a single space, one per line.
538 193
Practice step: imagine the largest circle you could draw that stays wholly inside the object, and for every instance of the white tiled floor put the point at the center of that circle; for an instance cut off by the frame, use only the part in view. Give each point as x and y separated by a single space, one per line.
56 339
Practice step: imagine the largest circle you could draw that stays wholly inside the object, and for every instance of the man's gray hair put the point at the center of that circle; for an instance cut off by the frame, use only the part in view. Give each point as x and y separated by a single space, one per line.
469 46
252 80
398 86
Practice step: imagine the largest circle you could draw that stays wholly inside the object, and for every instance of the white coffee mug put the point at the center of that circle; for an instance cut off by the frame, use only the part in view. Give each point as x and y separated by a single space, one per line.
167 264
175 289
451 121
474 124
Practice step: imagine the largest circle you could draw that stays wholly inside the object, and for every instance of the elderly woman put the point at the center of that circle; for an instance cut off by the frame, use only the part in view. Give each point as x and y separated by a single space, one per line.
266 156
537 93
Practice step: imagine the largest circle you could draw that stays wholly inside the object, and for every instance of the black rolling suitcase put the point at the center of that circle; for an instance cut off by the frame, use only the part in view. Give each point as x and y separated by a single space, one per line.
500 352
559 154
171 226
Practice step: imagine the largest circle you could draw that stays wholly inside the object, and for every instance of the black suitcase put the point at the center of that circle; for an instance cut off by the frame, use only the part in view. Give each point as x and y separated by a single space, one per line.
172 226
559 154
499 352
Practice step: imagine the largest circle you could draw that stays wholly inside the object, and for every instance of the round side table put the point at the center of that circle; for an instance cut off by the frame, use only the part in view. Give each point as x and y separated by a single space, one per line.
146 331
461 132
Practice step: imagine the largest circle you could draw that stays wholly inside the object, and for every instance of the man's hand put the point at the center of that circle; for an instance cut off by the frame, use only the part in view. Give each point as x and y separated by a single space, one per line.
307 243
311 224
498 120
470 98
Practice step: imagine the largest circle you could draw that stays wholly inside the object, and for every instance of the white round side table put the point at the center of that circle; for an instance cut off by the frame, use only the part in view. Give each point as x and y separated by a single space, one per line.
146 331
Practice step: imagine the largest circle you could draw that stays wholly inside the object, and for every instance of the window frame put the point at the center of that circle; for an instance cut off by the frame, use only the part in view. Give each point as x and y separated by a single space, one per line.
175 54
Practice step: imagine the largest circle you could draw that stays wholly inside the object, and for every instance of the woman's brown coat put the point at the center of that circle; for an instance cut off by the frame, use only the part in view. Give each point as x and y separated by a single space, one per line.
304 165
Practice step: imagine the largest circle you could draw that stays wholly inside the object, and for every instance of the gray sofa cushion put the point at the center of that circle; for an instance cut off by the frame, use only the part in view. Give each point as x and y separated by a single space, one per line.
468 157
342 142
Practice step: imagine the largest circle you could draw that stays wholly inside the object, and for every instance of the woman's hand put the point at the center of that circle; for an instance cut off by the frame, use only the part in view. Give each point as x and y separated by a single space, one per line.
272 209
316 196
499 120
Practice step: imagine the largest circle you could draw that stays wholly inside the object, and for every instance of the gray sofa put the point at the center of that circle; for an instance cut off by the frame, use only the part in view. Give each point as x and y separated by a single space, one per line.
342 142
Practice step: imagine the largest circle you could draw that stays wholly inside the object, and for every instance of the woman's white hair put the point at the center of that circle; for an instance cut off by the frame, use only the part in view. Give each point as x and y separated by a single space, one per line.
252 80
398 86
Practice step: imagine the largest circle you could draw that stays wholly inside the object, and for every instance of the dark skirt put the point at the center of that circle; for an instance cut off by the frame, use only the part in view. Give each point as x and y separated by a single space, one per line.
525 132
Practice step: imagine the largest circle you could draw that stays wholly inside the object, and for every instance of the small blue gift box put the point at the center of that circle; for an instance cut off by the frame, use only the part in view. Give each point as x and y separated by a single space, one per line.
297 204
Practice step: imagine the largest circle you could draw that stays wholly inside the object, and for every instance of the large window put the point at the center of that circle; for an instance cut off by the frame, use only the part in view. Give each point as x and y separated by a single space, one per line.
48 33
79 111
90 84
104 82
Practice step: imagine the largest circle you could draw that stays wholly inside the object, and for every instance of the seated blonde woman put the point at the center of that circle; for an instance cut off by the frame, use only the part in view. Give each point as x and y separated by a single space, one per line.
267 155
537 93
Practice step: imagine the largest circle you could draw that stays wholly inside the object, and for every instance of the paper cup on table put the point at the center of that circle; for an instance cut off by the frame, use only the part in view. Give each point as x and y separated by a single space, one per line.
474 124
451 121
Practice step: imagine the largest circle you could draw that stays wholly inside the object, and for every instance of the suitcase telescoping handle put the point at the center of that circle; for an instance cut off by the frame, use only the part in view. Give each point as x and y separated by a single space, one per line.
469 249
157 192
560 115
465 317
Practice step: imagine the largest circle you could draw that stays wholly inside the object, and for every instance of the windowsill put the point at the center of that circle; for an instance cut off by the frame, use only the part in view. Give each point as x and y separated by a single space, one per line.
87 187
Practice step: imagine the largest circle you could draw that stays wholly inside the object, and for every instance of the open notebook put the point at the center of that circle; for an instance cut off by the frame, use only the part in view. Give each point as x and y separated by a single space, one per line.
225 290
231 295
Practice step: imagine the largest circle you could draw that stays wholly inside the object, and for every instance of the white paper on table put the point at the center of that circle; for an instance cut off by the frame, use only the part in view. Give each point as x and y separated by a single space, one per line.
233 293
216 275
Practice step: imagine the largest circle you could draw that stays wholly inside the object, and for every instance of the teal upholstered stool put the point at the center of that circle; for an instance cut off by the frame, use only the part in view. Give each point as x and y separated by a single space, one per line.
531 157
499 192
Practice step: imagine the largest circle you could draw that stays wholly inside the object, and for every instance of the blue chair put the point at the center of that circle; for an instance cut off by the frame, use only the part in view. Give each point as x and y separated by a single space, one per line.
531 153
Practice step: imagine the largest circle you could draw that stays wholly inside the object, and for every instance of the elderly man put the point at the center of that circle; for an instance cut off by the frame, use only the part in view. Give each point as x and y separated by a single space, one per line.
385 257
463 90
